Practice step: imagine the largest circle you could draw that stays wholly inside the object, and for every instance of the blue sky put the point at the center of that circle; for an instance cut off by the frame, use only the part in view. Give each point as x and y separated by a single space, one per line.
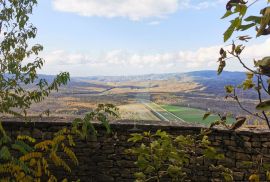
127 37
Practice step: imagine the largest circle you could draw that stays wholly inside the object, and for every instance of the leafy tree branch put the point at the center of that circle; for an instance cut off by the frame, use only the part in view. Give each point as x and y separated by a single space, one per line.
241 23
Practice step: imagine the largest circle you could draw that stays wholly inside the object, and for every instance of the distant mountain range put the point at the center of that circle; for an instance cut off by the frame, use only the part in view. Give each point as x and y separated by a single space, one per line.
208 79
213 83
208 74
200 76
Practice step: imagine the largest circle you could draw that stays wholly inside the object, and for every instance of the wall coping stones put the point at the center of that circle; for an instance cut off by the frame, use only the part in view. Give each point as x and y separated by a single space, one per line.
128 125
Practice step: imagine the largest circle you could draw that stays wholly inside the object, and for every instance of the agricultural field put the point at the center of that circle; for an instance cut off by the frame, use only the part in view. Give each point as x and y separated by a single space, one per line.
192 115
161 113
173 98
136 111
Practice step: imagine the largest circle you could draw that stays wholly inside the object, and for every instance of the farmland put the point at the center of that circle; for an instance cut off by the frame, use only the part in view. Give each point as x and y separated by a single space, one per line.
147 110
193 115
166 97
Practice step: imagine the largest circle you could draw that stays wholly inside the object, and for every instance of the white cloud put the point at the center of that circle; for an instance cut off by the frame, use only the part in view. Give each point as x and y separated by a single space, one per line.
124 62
132 9
257 51
61 57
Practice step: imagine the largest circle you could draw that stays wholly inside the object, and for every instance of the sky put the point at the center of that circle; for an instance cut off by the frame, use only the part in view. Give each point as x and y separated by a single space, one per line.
131 37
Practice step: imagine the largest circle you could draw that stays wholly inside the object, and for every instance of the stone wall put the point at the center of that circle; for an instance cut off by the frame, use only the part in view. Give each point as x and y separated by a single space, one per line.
103 159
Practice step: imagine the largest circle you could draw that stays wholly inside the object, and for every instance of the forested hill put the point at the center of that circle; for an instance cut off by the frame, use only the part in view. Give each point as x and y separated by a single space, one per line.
198 75
207 79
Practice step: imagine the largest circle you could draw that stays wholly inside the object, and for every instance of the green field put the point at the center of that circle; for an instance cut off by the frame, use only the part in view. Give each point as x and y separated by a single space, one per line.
193 115
162 113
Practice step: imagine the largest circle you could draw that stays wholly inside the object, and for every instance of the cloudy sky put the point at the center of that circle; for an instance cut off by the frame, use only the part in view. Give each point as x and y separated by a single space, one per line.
129 37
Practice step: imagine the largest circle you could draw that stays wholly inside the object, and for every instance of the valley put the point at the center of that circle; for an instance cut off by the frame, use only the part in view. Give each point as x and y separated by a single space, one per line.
182 97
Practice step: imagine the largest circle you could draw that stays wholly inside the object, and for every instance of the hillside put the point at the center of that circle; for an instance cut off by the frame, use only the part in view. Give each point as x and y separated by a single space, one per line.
200 89
208 81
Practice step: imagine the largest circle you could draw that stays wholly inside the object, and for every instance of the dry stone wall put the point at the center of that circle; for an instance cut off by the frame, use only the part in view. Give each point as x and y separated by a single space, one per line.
103 158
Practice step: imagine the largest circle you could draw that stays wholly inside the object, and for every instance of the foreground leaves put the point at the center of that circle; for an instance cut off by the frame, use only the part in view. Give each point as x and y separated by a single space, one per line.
15 74
27 160
162 155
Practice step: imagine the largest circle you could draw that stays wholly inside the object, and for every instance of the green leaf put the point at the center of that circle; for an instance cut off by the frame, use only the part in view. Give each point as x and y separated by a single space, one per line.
266 166
139 175
268 89
149 169
255 19
142 162
205 140
245 27
22 147
221 66
227 177
174 170
135 137
229 89
247 84
241 8
104 120
210 152
206 115
228 13
268 175
264 66
219 156
264 21
250 75
4 153
263 106
162 134
183 140
263 62
254 178
247 163
234 24
228 33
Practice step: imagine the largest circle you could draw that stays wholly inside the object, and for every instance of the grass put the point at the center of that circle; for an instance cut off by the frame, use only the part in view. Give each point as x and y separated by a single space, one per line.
162 112
193 115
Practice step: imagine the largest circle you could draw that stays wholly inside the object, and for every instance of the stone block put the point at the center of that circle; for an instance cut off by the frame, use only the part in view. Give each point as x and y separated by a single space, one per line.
266 144
103 178
106 164
242 165
242 156
238 176
125 164
256 144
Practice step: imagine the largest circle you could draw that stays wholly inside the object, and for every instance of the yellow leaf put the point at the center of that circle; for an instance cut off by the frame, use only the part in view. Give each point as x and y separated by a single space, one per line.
254 178
44 145
70 153
30 155
268 172
25 137
32 162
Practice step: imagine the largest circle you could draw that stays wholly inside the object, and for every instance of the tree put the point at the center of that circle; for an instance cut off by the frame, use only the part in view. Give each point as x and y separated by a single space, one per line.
24 158
17 71
154 152
258 78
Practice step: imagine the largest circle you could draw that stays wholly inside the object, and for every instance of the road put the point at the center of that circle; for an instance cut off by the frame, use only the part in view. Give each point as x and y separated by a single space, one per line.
160 112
